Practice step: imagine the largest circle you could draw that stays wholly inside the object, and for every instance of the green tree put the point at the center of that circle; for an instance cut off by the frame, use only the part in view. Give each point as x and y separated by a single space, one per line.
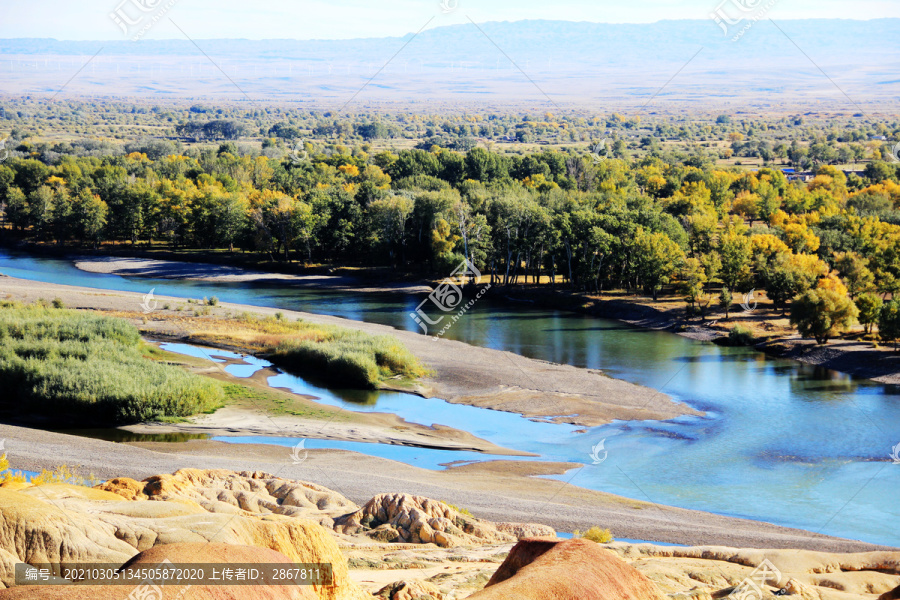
854 269
869 306
788 275
40 210
823 314
693 284
89 214
725 300
658 258
889 322
388 218
230 216
736 254
17 208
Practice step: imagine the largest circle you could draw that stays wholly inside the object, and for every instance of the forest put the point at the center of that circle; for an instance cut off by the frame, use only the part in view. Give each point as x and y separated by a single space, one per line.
626 214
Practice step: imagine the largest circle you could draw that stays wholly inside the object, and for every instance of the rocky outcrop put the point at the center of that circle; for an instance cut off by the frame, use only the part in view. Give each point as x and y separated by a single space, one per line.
409 590
892 595
801 590
526 530
125 487
802 574
540 568
223 491
418 520
179 554
61 524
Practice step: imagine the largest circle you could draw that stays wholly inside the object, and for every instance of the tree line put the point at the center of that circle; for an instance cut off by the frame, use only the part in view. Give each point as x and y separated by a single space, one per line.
827 249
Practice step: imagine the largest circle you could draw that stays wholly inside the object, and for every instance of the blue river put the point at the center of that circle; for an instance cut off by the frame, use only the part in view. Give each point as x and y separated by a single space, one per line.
781 441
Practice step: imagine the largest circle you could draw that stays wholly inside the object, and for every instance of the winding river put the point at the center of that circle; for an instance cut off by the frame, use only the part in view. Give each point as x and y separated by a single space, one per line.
781 441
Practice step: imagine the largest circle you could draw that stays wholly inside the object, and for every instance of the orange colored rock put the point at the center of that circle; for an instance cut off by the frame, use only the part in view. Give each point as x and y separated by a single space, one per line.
64 524
546 568
526 530
409 590
163 485
894 594
252 491
125 487
418 520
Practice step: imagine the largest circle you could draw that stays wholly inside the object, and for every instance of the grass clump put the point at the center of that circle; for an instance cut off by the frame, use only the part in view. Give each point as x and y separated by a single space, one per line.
74 367
348 358
740 336
462 511
333 355
595 534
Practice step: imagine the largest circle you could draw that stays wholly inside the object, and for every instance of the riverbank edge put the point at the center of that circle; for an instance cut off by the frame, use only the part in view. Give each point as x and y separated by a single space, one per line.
503 491
461 373
851 357
877 364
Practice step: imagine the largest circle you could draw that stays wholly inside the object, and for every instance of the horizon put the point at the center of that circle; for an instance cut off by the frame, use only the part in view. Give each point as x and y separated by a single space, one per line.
94 20
434 28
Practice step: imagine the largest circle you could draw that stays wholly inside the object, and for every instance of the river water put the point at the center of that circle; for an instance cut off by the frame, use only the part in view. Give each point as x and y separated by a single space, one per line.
781 441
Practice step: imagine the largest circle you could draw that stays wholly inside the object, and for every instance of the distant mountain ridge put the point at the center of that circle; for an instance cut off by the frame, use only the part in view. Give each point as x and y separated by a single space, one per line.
835 35
574 60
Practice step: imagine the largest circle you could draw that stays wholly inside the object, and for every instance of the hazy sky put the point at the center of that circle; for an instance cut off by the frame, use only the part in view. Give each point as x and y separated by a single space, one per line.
338 19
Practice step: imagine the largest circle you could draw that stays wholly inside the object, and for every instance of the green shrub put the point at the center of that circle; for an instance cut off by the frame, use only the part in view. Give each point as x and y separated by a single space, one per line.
348 358
595 534
77 367
740 336
58 303
212 301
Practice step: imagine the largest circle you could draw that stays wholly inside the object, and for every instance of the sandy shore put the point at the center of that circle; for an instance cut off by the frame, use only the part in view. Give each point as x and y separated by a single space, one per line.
498 491
463 373
855 357
309 419
165 269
